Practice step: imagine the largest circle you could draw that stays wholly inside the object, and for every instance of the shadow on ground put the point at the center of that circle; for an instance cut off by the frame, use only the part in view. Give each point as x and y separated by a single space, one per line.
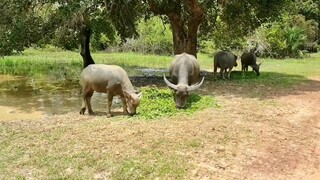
246 85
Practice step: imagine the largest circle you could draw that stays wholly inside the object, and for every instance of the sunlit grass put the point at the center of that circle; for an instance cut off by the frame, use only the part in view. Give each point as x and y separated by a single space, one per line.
158 103
34 62
86 147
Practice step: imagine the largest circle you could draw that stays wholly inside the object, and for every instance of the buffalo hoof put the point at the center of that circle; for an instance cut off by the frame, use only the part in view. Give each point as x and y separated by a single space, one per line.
131 114
91 112
82 111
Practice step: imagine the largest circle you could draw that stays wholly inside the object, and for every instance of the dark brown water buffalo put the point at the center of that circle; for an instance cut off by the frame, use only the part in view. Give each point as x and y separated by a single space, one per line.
250 59
185 72
225 61
109 79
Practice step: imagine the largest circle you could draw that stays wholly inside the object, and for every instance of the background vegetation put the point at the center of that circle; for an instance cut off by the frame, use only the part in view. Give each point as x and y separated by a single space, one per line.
277 29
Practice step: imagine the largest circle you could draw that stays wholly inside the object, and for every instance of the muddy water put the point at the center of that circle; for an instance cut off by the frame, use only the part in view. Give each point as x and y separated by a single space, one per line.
23 98
27 99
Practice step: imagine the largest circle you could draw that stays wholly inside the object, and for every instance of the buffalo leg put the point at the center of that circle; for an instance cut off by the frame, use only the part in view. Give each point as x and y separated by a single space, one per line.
83 106
229 73
88 101
222 73
215 72
124 104
110 98
85 93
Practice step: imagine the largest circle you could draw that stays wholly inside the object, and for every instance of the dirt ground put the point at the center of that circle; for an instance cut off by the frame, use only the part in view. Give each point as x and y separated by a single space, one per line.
275 136
287 124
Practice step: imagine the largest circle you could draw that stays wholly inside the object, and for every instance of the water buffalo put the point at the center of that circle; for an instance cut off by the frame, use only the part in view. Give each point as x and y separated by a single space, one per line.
184 72
224 60
109 79
250 59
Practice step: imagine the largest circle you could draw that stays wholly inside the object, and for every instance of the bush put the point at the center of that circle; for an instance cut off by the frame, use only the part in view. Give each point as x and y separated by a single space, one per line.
155 38
285 38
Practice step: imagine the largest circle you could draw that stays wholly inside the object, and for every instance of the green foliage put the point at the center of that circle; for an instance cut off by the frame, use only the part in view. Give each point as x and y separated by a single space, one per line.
19 26
223 37
284 38
23 23
158 103
66 38
155 37
308 8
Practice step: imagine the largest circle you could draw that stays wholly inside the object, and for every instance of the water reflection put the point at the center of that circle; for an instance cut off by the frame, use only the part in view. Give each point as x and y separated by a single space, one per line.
26 96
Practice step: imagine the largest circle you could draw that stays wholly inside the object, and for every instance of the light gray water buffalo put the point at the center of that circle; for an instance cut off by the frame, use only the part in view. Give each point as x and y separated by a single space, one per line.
225 61
250 59
184 72
109 79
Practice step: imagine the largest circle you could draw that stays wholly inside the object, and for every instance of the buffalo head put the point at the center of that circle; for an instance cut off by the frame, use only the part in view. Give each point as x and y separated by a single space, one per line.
182 91
132 101
256 68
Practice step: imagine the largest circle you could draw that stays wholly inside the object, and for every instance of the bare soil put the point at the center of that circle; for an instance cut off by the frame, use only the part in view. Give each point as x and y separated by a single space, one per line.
274 136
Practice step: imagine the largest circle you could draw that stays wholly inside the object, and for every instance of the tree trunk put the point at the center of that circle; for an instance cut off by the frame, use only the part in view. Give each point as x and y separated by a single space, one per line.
85 34
178 33
195 19
184 35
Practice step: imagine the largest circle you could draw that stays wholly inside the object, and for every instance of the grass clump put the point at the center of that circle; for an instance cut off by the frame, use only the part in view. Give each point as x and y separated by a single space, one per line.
158 103
151 166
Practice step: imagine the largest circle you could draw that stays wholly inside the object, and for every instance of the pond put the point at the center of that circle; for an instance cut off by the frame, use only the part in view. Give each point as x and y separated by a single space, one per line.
23 98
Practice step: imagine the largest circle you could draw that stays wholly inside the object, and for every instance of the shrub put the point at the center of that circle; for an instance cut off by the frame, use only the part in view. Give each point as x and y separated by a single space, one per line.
285 38
155 38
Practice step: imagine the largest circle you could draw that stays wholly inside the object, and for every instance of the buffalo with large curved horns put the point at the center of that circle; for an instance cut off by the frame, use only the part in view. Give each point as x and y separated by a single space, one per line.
185 73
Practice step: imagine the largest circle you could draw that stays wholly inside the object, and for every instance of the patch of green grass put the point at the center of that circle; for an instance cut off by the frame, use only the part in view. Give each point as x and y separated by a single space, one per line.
195 143
158 103
154 165
68 65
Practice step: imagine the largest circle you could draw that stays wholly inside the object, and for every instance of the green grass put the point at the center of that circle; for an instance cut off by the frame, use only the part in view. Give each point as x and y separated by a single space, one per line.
77 151
68 65
158 103
118 148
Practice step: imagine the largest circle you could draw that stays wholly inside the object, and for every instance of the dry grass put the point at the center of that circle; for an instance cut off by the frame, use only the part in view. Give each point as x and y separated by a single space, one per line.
269 139
262 130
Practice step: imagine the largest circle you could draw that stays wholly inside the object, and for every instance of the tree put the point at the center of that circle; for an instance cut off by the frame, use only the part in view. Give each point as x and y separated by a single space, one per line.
189 17
18 26
75 17
308 8
85 17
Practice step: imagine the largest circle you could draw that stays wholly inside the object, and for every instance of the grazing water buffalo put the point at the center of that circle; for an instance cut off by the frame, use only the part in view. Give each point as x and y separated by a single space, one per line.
109 79
250 59
224 60
184 72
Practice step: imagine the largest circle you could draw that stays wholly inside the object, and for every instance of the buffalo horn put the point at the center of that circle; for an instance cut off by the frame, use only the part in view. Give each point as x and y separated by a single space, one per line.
169 83
195 86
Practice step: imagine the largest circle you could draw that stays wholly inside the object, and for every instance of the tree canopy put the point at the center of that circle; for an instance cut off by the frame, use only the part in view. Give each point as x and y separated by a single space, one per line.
63 22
